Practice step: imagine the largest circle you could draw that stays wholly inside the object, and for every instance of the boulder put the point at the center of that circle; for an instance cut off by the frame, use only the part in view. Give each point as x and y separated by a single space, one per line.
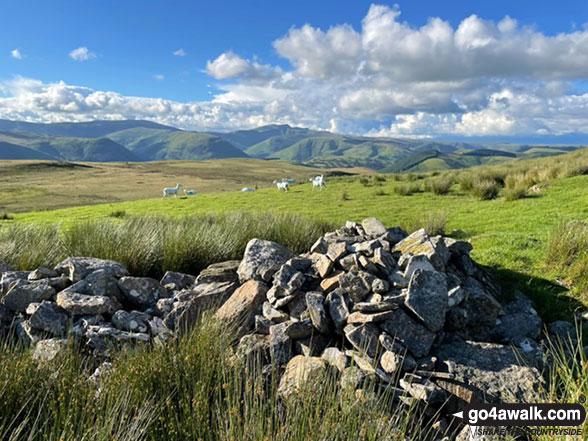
10 278
300 372
133 321
177 281
261 260
373 227
427 298
82 304
239 310
219 272
42 273
48 317
363 337
417 338
47 350
77 268
419 242
141 292
21 295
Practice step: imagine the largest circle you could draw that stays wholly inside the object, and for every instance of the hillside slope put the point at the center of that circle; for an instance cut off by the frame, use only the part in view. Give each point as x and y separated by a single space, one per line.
158 144
13 151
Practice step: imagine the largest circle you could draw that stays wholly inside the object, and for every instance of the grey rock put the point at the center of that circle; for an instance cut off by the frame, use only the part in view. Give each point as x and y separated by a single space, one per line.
300 263
133 321
9 278
141 292
394 235
261 260
335 358
384 261
50 318
481 307
164 306
338 309
336 251
321 246
420 261
262 325
182 318
562 331
352 378
417 338
363 337
219 272
359 359
316 308
280 345
366 247
42 273
300 372
82 304
455 296
349 262
354 285
77 268
21 295
178 280
419 242
362 317
391 362
423 389
457 247
4 267
323 266
47 350
208 296
373 227
272 314
495 370
427 298
312 346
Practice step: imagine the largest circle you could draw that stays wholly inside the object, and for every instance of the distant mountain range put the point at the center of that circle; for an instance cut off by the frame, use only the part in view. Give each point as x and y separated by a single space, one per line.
132 140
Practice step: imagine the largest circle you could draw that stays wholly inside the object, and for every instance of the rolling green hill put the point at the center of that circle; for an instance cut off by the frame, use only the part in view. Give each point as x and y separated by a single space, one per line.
13 151
158 144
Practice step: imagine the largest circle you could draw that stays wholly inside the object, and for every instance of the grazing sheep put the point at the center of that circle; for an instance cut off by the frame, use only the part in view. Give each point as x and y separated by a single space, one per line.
282 185
318 181
168 191
189 192
248 189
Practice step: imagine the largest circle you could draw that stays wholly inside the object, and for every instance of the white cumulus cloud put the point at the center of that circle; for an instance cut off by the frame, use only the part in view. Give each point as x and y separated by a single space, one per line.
15 53
179 53
81 53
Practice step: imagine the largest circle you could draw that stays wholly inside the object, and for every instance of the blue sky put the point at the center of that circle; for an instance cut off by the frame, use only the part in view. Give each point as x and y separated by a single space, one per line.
246 63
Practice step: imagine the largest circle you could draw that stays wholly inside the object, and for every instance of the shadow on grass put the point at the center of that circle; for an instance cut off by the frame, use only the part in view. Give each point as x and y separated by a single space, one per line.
552 301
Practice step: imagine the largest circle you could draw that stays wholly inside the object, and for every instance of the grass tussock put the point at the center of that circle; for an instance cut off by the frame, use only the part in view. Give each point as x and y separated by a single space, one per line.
434 222
148 245
567 251
513 194
439 185
484 189
407 189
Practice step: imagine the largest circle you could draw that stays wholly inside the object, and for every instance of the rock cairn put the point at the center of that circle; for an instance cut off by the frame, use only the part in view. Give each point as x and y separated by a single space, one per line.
410 313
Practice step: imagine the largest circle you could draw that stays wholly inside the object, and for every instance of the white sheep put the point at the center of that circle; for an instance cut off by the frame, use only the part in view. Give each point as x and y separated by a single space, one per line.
318 181
168 191
189 192
282 185
248 189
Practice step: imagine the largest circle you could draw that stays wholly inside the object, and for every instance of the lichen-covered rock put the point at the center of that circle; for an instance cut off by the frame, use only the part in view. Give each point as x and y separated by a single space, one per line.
417 339
427 298
21 295
48 317
42 273
219 272
141 292
419 242
301 371
261 260
239 310
177 281
77 268
82 304
47 350
373 227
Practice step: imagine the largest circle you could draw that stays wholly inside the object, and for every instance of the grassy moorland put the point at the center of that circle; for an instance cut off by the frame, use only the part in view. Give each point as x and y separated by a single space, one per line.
39 185
193 389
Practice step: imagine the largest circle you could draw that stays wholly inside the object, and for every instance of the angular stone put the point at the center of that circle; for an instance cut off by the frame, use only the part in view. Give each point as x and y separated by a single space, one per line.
262 325
141 292
320 246
362 317
316 308
419 242
164 306
261 260
21 295
240 309
331 283
300 263
482 308
42 273
49 317
367 265
354 285
219 272
381 306
373 227
495 370
427 298
380 286
97 283
209 296
455 296
361 361
336 250
178 280
384 261
254 346
366 247
353 378
280 345
300 372
9 278
272 314
363 337
182 318
335 358
423 389
324 266
81 304
349 262
420 261
312 346
77 268
338 309
417 338
47 350
133 321
457 247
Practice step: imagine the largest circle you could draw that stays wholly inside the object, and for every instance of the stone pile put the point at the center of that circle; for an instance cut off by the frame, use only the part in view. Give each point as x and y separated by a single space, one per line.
412 314
96 302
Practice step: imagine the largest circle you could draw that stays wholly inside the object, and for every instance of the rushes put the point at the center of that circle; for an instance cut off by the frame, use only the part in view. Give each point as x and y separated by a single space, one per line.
148 245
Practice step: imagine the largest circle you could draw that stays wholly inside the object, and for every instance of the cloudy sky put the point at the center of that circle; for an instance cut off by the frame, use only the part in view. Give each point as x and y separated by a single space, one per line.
506 69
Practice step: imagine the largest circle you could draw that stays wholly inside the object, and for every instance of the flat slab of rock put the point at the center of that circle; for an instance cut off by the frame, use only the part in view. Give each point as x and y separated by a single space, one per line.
419 242
261 260
417 338
22 295
240 309
82 304
76 268
373 227
427 298
493 369
219 272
